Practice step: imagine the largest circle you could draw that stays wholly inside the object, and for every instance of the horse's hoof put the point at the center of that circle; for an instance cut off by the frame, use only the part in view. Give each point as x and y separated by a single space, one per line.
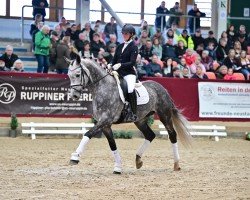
117 170
73 162
176 166
138 162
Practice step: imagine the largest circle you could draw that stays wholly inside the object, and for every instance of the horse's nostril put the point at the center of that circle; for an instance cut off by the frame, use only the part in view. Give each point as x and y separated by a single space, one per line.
75 96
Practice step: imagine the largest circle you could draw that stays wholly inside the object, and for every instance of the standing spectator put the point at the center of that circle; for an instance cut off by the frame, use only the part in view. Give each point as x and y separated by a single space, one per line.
221 50
62 50
88 32
39 27
17 66
54 39
9 57
194 22
176 10
198 39
210 38
79 43
160 20
110 28
35 24
42 46
39 8
97 45
199 73
187 40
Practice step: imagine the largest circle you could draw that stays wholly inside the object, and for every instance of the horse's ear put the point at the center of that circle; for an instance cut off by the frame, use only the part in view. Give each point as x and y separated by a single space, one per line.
67 60
78 59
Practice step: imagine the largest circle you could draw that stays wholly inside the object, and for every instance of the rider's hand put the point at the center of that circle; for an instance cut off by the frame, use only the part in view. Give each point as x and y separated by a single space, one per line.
109 66
116 66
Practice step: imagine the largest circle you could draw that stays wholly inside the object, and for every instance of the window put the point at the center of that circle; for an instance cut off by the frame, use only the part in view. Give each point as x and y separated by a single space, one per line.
205 6
69 14
93 15
3 8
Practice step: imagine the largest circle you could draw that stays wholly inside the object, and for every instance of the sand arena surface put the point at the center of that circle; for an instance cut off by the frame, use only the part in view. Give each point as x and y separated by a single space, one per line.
39 169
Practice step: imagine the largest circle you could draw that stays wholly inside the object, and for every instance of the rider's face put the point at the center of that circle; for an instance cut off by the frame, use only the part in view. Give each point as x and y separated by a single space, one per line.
126 36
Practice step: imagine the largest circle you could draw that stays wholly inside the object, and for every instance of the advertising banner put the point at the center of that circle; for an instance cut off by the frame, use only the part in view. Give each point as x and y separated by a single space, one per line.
224 100
34 95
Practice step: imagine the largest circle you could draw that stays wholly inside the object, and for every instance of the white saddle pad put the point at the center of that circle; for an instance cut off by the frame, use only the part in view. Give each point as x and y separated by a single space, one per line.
141 92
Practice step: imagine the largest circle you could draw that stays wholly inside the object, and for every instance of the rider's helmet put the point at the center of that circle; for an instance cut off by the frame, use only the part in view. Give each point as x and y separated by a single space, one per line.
127 28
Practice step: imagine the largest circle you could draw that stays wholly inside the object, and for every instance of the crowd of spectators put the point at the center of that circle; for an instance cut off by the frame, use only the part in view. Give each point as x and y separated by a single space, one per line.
172 52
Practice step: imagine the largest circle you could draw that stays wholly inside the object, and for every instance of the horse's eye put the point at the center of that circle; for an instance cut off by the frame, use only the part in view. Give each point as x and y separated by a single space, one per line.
77 75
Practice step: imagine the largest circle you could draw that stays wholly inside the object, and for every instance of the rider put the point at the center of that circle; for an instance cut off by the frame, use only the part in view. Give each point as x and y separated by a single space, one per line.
124 61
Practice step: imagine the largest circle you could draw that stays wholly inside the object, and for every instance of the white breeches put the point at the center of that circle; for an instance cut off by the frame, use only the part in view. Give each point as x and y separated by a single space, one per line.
130 79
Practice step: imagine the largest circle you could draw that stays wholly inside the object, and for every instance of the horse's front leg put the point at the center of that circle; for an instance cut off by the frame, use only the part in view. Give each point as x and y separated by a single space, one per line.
75 156
107 131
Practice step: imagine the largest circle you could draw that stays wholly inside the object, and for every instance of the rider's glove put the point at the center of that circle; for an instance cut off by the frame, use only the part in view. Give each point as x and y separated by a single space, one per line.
116 66
109 66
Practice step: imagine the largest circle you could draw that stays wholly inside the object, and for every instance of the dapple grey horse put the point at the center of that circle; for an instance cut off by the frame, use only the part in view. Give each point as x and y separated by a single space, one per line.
107 108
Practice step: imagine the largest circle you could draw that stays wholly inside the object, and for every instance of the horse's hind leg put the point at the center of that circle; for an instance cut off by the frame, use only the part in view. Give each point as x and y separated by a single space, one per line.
107 131
165 119
149 136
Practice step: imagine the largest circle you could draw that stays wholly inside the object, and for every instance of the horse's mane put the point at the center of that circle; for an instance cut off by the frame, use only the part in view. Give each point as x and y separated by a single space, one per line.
91 64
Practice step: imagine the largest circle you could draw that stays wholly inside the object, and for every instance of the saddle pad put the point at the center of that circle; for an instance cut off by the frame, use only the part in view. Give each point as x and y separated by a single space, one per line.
141 92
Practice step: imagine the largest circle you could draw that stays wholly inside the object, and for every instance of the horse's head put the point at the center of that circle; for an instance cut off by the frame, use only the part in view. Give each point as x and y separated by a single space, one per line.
79 76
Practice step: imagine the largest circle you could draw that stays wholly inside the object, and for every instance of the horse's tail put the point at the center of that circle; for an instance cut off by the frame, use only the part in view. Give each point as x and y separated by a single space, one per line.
180 125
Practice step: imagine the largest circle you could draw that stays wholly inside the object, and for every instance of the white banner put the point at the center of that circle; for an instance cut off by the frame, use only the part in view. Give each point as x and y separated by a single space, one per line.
224 100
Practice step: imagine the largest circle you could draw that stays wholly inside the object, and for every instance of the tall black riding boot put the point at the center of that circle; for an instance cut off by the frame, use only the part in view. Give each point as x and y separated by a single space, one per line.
133 103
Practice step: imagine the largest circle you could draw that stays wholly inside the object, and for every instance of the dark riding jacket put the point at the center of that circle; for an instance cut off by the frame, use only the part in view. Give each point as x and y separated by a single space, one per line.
127 58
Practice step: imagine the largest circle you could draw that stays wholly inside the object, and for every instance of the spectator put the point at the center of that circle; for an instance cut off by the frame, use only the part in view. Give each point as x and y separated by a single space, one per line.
167 67
62 51
176 73
85 51
190 57
222 72
2 66
231 34
186 72
176 10
196 13
98 29
225 36
210 38
232 62
182 63
196 64
157 48
187 40
145 27
160 20
170 35
207 61
140 67
39 8
112 40
42 46
198 39
73 32
221 50
79 43
245 65
55 40
153 68
199 73
18 66
159 35
64 24
211 49
168 50
180 50
177 33
143 39
229 75
97 45
237 48
111 50
110 28
146 51
9 57
59 31
88 32
243 41
242 31
35 24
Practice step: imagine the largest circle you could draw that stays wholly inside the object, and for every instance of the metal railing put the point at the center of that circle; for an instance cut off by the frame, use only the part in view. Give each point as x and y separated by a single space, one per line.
29 6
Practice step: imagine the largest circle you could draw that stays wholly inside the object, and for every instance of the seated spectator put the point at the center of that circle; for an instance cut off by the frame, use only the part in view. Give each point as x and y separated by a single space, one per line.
210 38
232 62
59 31
145 27
153 68
64 24
243 41
229 75
237 48
242 31
167 67
176 10
200 49
221 72
88 32
18 66
231 34
177 33
159 35
9 57
168 50
73 32
85 52
207 61
98 29
157 48
180 50
199 73
140 67
111 50
146 50
182 63
187 40
176 73
221 51
79 43
190 57
170 35
142 40
245 65
186 72
224 36
97 45
101 59
2 66
196 64
62 51
110 28
211 49
112 40
198 39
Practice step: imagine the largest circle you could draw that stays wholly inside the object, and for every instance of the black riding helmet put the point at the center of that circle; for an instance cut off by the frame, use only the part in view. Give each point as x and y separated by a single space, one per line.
127 28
